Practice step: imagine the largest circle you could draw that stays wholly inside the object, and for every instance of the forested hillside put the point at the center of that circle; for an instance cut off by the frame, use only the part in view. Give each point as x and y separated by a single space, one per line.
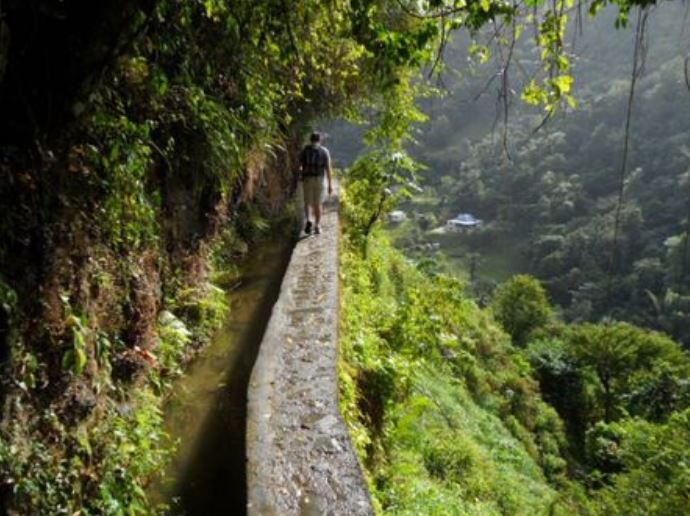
521 407
146 146
456 409
555 195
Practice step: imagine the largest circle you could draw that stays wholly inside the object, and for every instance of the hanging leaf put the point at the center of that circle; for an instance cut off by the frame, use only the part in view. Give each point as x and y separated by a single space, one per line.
79 361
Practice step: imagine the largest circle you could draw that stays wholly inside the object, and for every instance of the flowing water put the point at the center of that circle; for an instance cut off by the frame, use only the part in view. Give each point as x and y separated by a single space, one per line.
207 410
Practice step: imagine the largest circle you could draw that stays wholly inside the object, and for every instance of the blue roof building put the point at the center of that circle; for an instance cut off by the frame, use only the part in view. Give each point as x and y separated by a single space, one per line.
463 221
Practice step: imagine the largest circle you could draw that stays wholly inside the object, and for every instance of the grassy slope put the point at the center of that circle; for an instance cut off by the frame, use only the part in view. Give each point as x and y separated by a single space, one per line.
452 456
442 410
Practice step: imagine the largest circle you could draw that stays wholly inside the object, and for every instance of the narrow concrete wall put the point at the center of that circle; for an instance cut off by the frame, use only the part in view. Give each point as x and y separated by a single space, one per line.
299 456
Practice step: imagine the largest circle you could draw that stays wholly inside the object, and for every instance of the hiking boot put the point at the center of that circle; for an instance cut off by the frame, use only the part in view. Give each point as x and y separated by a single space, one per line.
307 228
317 230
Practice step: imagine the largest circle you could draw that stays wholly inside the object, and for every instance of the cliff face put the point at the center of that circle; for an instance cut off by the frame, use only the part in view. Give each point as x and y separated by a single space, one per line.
130 182
86 267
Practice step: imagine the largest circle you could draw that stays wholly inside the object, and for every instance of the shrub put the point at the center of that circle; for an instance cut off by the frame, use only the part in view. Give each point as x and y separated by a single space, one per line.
521 306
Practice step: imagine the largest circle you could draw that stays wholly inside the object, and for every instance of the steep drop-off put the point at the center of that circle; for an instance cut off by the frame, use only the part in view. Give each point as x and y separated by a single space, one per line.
458 409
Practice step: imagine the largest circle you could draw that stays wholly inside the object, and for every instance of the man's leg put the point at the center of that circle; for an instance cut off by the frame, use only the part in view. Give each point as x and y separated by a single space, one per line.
307 200
307 224
317 216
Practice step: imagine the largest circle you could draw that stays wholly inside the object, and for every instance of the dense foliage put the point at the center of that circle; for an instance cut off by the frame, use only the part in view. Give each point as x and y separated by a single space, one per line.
143 144
555 200
169 142
521 306
435 392
444 415
450 417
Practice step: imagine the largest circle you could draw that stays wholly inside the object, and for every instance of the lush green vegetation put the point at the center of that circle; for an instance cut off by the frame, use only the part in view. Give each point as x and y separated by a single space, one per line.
449 416
138 159
444 415
458 409
129 199
606 238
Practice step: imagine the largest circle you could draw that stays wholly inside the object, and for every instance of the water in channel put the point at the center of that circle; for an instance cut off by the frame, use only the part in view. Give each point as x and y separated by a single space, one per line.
207 410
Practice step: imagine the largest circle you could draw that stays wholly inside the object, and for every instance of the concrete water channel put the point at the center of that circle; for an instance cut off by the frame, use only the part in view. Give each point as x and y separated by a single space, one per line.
286 451
300 460
206 413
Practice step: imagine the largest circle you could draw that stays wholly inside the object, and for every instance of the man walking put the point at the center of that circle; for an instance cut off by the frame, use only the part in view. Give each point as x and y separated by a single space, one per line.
315 161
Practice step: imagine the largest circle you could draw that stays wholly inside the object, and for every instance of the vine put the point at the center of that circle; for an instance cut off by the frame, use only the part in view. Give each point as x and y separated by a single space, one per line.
639 53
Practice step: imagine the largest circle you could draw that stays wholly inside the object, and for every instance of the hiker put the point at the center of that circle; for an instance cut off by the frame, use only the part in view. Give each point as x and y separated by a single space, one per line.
315 161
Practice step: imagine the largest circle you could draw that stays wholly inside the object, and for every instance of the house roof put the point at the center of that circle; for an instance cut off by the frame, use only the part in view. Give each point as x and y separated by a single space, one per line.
466 219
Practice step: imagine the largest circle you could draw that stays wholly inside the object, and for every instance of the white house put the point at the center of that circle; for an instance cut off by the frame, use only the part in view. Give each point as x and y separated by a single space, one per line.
397 216
463 222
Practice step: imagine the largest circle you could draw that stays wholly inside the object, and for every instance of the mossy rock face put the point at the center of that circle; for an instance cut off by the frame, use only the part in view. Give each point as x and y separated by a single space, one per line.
127 366
78 403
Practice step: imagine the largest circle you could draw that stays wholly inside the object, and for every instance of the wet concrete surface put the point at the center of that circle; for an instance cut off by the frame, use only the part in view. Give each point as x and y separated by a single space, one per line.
300 458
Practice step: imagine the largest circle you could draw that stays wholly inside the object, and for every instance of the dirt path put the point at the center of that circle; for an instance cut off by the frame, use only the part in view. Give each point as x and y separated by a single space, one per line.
300 459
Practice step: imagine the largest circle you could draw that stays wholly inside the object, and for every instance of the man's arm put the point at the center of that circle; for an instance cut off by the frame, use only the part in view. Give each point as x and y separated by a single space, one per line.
329 172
